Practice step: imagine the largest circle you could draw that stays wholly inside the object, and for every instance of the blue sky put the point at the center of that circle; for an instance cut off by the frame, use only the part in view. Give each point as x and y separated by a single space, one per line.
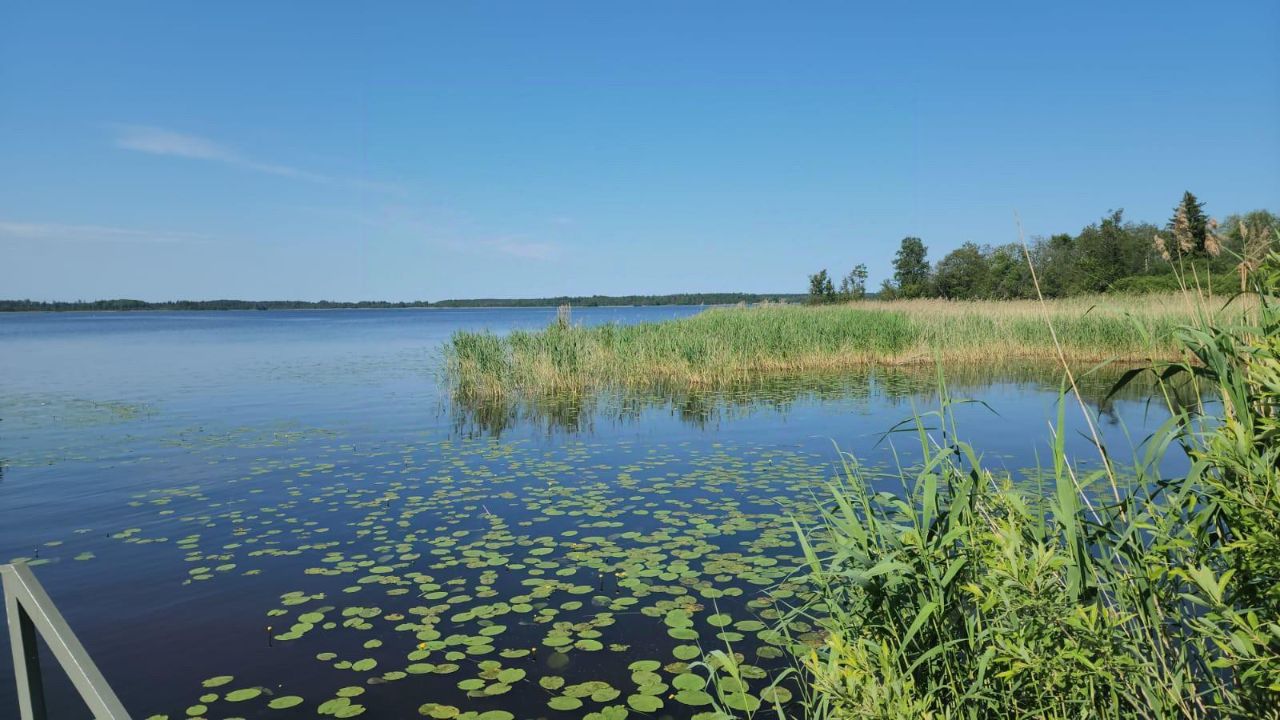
429 150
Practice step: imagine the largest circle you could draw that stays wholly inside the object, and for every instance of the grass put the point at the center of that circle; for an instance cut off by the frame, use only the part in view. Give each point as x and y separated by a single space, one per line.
724 346
967 595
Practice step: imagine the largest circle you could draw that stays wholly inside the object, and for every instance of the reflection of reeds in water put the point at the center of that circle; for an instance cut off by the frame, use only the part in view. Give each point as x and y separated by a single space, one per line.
725 347
576 410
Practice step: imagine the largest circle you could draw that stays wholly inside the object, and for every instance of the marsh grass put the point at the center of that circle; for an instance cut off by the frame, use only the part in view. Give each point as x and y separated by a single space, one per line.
967 594
723 346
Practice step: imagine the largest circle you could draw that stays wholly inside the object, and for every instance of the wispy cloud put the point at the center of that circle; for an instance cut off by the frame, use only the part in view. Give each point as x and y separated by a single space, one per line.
161 141
58 232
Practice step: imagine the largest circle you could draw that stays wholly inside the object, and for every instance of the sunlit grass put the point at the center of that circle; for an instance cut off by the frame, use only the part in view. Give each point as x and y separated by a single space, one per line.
724 345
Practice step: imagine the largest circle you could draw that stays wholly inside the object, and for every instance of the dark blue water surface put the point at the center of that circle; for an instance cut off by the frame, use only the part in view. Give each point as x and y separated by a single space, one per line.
184 481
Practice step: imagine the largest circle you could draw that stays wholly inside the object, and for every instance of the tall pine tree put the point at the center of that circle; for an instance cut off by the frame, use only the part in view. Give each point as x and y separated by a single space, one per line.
1190 226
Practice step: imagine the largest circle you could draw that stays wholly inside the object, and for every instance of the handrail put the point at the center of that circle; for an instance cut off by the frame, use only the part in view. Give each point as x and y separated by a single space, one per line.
32 614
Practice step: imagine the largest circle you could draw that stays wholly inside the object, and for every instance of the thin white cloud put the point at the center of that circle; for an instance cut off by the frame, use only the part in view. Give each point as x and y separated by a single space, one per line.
158 141
161 141
59 232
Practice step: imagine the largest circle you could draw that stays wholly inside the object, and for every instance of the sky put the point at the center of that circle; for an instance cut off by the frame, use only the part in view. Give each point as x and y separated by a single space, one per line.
429 150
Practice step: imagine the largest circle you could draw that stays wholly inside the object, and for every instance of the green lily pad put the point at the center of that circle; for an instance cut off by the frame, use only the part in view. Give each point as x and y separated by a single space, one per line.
645 703
564 702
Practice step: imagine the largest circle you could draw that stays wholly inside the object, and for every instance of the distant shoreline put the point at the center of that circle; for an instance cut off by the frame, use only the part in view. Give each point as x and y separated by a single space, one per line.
125 305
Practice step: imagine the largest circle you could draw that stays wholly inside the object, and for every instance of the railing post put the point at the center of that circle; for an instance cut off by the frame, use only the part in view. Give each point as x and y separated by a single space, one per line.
31 615
26 661
26 653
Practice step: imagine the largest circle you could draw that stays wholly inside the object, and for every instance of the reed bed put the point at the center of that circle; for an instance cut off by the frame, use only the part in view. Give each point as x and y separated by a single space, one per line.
723 346
968 594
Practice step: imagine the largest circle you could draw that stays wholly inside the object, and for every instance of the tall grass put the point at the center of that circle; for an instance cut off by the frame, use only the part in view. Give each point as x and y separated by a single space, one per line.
966 595
722 346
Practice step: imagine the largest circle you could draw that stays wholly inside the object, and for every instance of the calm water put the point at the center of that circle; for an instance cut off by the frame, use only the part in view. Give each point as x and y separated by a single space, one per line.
290 500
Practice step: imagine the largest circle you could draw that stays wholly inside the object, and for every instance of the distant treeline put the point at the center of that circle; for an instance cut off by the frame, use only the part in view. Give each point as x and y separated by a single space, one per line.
1111 255
603 300
112 305
592 301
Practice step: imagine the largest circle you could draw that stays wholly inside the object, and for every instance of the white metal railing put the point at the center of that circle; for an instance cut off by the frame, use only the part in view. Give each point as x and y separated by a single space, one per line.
32 615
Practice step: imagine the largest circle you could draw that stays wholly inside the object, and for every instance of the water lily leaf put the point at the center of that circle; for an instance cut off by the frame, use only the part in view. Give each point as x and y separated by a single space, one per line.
645 703
686 652
564 702
511 675
551 682
440 712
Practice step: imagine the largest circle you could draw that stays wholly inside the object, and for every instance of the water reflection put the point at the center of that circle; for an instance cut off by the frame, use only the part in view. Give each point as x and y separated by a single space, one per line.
579 412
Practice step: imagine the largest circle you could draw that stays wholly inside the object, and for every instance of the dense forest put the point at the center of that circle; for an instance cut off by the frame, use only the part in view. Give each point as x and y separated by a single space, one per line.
113 305
1111 255
605 300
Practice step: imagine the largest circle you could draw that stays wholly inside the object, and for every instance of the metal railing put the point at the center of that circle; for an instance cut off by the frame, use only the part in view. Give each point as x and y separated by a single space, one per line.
32 615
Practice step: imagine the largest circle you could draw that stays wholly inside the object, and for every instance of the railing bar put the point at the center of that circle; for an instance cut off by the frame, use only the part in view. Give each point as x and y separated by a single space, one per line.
31 663
24 593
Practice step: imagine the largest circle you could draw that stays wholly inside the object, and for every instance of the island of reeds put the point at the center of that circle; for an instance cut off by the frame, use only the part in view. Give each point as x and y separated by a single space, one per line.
723 345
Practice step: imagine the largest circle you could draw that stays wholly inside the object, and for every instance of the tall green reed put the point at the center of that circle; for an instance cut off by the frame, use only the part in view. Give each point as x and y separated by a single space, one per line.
722 346
966 594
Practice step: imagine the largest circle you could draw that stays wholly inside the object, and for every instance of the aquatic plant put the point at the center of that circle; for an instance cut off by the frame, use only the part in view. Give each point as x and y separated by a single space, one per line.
967 596
723 346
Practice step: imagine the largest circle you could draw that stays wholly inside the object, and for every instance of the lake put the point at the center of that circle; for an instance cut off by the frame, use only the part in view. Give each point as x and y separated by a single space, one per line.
274 514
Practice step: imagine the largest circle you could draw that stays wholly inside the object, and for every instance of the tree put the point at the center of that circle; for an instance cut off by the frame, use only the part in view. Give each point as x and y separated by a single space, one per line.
1191 230
854 285
821 290
1103 254
1055 260
1008 274
888 290
962 274
911 268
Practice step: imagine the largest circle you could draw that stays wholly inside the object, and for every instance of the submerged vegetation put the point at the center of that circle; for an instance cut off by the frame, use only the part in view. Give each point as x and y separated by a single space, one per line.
723 346
965 595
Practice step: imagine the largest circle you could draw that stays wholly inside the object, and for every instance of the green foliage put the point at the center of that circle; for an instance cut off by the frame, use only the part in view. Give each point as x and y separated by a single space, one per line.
821 289
1008 276
911 268
1219 282
854 285
1110 255
725 345
1189 217
966 595
963 273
